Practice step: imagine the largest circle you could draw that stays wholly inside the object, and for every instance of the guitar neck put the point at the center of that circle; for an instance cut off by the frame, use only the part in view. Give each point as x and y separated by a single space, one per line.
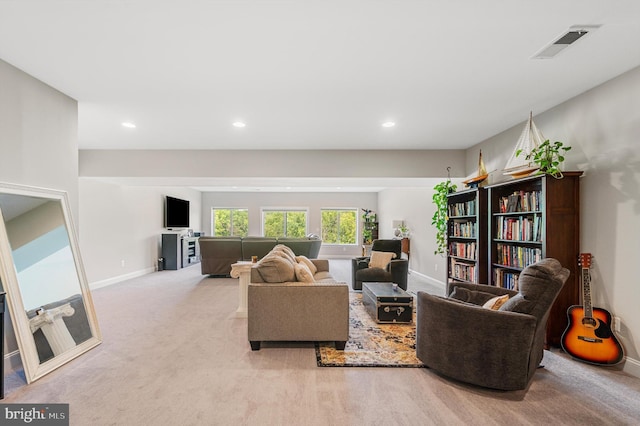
586 293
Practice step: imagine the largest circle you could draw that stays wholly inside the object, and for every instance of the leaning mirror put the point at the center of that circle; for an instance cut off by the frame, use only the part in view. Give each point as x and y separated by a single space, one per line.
41 271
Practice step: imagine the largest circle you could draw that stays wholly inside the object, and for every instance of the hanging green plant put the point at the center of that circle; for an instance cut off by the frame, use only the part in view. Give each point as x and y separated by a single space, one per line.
441 214
548 156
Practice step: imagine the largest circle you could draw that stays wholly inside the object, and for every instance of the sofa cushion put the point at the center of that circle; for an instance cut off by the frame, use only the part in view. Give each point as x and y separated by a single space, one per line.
471 296
380 259
276 269
305 260
303 274
323 276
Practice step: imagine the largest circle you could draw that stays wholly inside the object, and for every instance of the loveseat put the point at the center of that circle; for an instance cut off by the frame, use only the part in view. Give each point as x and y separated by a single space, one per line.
219 253
283 308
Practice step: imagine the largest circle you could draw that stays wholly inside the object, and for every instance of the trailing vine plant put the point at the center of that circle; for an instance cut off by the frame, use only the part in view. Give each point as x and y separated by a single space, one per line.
441 214
548 157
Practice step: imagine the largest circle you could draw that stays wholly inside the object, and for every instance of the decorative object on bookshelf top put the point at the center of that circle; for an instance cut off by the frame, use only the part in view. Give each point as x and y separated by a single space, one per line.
548 156
530 139
439 219
477 181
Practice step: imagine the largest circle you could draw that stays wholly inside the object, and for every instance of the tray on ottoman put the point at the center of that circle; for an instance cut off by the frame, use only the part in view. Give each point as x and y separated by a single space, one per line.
386 305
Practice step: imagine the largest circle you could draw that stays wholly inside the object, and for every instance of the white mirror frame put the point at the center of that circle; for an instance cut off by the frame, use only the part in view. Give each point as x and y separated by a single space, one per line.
33 369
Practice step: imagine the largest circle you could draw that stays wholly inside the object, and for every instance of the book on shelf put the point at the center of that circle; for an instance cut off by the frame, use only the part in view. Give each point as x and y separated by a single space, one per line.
462 271
506 279
464 250
467 208
520 201
522 228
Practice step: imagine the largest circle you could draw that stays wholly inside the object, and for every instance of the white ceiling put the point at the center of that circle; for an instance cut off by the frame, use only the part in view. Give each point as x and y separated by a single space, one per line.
312 74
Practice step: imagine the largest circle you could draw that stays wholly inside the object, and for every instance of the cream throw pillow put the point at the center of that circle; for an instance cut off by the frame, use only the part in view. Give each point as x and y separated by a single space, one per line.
380 259
305 260
495 302
303 273
286 250
276 269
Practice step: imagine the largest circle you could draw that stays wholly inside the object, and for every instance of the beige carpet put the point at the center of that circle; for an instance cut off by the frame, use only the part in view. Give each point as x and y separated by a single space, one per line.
175 354
371 344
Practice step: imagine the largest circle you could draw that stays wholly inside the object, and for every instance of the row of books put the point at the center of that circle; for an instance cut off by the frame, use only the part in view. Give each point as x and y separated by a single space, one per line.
467 208
517 256
466 250
463 229
521 201
523 228
505 279
463 271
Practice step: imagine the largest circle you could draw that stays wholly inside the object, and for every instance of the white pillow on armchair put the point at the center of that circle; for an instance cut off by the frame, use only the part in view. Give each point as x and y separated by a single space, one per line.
380 259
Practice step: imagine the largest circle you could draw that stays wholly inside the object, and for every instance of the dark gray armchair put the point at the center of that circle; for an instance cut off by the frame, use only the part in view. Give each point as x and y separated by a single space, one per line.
498 349
396 272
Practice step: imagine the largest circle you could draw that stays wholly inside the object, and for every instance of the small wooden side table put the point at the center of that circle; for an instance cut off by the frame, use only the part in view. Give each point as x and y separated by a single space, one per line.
406 246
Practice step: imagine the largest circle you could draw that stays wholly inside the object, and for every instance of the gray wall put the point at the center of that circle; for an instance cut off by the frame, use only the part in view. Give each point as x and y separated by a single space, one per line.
603 128
38 134
38 142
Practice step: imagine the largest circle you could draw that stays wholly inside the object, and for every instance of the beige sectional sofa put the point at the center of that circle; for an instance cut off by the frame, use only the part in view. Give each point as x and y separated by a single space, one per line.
292 310
219 253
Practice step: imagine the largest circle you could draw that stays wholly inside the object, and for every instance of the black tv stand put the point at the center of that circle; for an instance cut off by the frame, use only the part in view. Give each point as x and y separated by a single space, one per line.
179 251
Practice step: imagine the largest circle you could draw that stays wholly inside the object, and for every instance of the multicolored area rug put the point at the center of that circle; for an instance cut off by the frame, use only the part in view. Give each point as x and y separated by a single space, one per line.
371 344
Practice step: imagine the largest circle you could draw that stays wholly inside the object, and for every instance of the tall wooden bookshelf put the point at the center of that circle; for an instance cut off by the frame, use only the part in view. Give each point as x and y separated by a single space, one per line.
530 219
467 236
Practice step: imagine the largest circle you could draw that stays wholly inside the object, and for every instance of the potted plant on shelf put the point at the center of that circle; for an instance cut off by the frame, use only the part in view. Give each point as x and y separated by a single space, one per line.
548 156
440 216
369 219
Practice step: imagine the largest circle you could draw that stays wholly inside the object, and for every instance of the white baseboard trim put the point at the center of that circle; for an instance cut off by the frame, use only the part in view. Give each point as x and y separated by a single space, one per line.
429 279
336 256
110 281
632 366
12 361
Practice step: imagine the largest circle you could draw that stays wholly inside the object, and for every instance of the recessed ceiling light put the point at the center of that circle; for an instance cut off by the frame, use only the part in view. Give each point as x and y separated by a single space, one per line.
388 124
238 124
128 125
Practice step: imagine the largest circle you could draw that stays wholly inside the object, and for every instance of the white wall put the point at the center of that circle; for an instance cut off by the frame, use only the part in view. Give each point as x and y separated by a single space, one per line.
314 202
414 206
125 223
38 142
603 128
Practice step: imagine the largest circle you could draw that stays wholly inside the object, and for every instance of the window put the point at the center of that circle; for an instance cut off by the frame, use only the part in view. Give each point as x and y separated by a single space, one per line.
339 226
284 223
230 222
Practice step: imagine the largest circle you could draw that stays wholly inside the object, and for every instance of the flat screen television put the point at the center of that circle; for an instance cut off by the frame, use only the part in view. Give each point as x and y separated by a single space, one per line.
176 213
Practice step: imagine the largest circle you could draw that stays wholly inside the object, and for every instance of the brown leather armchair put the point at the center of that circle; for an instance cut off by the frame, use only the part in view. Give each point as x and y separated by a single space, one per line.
396 272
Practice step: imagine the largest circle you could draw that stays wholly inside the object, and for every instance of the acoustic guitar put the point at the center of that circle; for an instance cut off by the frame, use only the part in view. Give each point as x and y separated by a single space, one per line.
588 336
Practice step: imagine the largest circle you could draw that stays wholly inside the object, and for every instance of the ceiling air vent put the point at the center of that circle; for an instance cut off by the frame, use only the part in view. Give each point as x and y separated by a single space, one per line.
569 37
